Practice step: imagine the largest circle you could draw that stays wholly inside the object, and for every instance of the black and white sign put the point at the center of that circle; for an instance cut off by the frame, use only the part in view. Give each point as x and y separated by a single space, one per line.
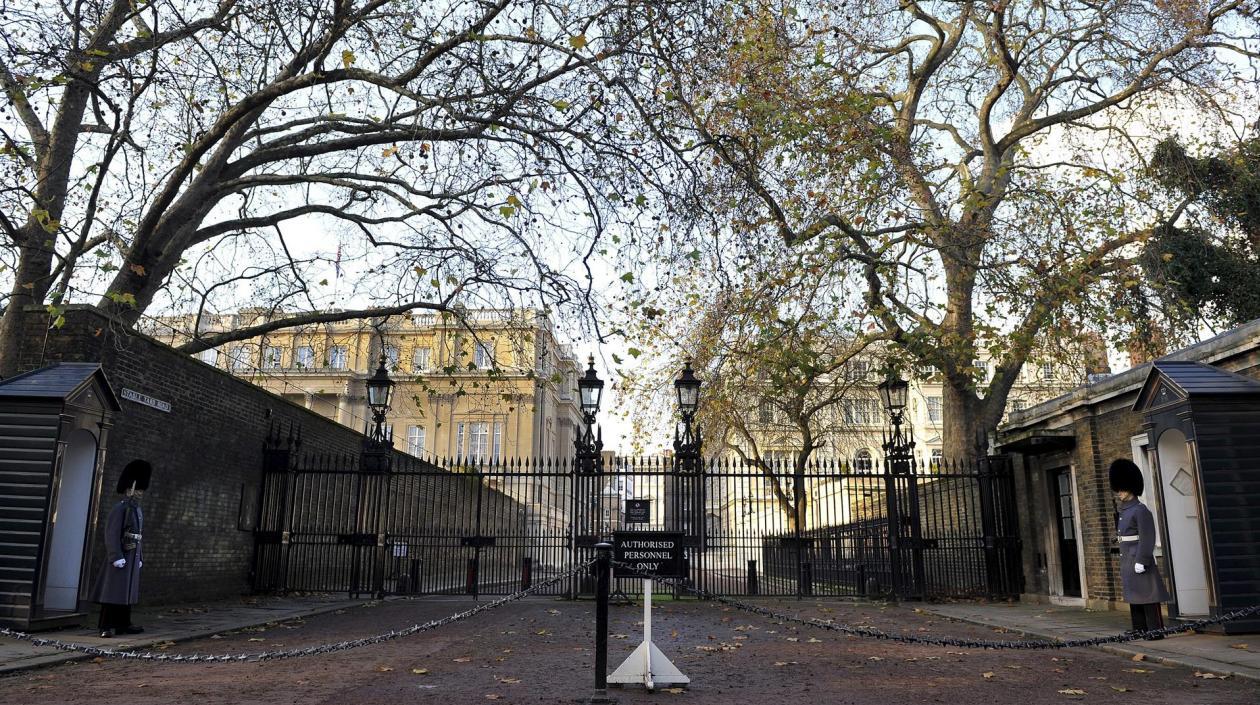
137 397
638 511
659 553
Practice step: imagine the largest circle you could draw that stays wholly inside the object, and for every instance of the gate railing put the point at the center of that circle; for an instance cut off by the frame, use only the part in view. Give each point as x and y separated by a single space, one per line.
476 527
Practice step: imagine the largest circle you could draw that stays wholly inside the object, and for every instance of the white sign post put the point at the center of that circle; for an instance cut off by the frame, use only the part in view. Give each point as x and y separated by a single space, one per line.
660 553
647 665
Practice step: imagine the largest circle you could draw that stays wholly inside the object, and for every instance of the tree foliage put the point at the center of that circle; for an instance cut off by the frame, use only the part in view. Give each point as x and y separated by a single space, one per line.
971 163
185 151
1204 268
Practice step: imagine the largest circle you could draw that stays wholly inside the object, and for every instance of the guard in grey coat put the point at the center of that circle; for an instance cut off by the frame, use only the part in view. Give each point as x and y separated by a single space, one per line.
118 584
1135 532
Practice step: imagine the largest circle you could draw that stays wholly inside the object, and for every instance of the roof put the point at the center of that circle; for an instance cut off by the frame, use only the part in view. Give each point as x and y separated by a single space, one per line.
59 380
1189 379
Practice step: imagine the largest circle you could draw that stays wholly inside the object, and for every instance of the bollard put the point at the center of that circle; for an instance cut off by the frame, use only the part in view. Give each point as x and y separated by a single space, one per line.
603 564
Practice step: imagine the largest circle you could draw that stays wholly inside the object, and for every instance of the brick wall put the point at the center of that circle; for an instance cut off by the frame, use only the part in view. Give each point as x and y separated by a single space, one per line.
206 452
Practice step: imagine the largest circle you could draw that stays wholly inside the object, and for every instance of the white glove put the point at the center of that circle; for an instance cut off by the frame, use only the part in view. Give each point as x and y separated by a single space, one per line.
139 564
1139 568
120 562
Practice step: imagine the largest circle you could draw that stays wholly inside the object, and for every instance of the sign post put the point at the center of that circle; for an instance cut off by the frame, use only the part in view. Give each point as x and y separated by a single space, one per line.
657 553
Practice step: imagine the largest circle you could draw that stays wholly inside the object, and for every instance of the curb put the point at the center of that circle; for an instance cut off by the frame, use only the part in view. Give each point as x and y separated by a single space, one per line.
1153 654
36 662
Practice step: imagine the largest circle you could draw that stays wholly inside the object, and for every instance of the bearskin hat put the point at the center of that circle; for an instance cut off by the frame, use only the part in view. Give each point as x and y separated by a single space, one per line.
1126 477
136 473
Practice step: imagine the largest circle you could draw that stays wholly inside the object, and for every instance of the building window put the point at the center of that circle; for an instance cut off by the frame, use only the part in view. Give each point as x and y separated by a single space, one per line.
420 359
483 355
1047 372
765 412
862 461
934 409
857 370
497 448
862 412
478 440
210 356
272 356
1018 405
415 440
938 456
337 357
304 357
391 358
238 359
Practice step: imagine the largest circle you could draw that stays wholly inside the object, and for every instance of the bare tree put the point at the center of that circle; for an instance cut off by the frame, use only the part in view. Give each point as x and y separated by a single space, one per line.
970 161
457 141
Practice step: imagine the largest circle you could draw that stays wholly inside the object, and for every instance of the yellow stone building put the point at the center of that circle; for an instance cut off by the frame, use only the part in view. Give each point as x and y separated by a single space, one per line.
497 384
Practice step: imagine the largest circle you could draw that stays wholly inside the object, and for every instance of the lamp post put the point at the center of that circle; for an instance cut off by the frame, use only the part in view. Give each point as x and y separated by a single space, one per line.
591 443
379 441
687 445
898 446
905 541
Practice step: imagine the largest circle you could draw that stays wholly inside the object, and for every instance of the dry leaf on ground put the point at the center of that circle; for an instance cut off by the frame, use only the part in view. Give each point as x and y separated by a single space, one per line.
420 671
1072 691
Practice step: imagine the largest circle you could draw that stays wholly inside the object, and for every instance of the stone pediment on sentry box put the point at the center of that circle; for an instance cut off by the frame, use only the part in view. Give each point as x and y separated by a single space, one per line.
1173 381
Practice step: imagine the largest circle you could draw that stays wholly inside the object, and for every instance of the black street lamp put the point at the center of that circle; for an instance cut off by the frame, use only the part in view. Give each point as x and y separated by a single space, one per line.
898 446
591 443
379 442
687 445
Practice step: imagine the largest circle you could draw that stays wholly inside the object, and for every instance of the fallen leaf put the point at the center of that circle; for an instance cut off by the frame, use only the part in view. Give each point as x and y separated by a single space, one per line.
542 632
1139 670
420 671
989 674
1239 646
492 696
792 638
675 691
875 658
256 638
1138 657
1119 689
812 640
1072 691
462 659
384 669
1205 674
505 679
619 636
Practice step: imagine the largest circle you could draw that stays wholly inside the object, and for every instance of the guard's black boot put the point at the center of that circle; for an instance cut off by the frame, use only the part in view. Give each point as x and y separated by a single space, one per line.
107 633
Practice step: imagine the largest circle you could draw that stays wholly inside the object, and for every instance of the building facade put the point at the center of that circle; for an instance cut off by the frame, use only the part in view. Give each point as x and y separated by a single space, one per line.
488 386
1189 420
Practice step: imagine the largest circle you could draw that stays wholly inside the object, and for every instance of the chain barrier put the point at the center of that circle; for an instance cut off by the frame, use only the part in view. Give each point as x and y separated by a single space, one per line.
293 653
872 633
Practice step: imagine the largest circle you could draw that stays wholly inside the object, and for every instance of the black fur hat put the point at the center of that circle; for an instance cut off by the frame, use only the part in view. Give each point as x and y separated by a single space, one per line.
1126 476
136 473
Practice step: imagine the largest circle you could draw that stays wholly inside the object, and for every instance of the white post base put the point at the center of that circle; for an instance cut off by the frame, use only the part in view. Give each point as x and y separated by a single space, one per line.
662 672
647 665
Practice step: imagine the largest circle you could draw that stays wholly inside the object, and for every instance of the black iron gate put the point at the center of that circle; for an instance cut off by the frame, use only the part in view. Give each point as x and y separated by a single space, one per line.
914 532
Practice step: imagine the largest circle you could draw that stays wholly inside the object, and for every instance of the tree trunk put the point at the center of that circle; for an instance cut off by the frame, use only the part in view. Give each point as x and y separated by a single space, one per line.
963 422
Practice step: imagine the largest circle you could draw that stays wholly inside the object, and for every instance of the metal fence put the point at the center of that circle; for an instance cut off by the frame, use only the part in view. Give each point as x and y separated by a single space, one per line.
455 526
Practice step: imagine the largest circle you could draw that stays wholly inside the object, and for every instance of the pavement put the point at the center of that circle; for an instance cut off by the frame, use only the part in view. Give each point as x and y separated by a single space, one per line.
168 625
1220 654
1237 656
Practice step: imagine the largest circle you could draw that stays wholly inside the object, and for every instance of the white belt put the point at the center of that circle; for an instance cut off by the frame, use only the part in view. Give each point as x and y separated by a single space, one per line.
1128 538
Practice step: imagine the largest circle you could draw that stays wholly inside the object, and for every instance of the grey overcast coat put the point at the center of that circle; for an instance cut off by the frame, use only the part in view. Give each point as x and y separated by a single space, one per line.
121 586
1139 588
